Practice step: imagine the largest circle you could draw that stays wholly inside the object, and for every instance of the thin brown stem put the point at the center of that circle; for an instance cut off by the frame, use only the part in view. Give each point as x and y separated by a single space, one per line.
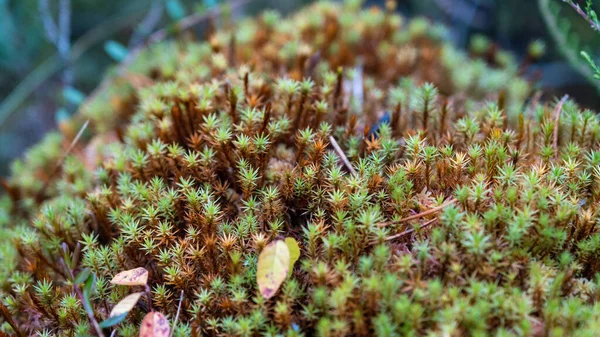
178 310
580 11
557 112
408 231
62 159
420 215
342 155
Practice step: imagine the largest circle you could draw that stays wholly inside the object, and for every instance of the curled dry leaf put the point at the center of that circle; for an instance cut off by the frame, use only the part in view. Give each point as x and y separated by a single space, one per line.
139 81
155 325
125 305
272 269
294 250
132 277
95 152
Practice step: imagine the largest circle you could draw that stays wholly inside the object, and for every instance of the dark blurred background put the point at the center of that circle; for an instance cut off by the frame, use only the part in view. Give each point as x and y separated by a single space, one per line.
55 52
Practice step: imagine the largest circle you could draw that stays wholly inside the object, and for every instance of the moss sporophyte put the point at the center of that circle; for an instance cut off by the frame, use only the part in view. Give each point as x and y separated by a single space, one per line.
470 210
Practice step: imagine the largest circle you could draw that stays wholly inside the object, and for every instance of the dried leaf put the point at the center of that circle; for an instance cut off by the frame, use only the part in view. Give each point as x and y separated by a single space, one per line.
294 250
126 304
132 277
272 269
154 325
138 81
95 152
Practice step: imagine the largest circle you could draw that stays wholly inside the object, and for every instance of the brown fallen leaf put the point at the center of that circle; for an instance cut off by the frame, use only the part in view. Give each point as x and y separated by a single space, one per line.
132 277
155 325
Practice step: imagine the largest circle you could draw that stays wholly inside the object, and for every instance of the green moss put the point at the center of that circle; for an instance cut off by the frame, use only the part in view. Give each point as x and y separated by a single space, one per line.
450 208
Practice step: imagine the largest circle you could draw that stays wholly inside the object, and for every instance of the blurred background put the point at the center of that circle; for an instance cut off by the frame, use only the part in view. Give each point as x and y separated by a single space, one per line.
54 52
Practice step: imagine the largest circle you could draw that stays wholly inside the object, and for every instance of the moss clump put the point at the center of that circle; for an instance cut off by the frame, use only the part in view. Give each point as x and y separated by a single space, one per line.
448 207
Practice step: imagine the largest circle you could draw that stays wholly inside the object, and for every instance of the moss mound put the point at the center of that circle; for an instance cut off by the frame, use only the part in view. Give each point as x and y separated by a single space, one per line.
427 197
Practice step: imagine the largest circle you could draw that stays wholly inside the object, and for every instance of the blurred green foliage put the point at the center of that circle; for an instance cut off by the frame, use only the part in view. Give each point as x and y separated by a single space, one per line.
32 92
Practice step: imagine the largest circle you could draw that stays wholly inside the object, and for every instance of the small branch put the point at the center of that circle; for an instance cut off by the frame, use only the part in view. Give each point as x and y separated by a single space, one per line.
340 152
149 295
73 143
148 23
63 42
579 11
55 63
59 32
49 24
557 111
5 313
64 156
420 215
406 232
178 311
562 42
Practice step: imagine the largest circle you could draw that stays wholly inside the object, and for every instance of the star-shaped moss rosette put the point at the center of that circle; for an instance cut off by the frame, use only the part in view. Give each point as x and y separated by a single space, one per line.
425 194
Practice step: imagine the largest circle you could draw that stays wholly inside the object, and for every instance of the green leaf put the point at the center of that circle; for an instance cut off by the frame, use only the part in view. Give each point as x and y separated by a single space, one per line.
113 320
175 9
62 115
90 285
82 276
294 250
88 289
115 50
73 95
272 268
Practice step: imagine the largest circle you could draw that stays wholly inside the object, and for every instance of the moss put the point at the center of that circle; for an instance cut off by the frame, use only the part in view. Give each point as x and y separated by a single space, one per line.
427 197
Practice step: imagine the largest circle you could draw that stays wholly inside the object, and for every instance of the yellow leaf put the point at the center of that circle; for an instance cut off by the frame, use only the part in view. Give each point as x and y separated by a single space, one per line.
154 325
294 250
272 269
132 277
125 305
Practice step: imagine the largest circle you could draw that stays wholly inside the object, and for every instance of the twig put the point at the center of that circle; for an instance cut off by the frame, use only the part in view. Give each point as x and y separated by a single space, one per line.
178 311
54 63
557 111
340 152
593 24
64 156
73 143
406 232
149 295
59 33
420 215
49 25
563 42
5 313
148 23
